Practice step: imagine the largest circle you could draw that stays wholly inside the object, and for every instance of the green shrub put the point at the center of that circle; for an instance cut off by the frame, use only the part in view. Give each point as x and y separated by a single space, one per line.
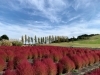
6 43
17 43
0 43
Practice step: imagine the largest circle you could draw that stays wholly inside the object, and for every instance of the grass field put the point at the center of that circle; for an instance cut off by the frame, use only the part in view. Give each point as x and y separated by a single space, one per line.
92 42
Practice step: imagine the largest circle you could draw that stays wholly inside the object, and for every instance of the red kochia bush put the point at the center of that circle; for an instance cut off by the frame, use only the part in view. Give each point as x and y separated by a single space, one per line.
10 65
90 58
3 55
24 68
39 68
2 64
77 61
10 55
18 58
96 57
34 54
67 63
10 72
51 66
59 68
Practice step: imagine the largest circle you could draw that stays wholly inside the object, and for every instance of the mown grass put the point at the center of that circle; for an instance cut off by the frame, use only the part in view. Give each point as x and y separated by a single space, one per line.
73 44
92 42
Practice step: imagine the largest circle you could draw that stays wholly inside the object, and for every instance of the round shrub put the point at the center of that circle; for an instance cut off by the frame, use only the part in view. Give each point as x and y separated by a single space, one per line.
10 55
59 68
24 68
51 66
67 64
10 72
40 68
17 43
2 64
10 65
3 55
78 61
6 43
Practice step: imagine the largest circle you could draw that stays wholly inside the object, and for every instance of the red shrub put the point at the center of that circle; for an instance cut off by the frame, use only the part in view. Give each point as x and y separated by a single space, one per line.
10 72
40 68
18 58
24 68
78 61
34 54
3 55
2 64
86 61
90 58
67 63
59 68
10 65
51 66
96 57
10 55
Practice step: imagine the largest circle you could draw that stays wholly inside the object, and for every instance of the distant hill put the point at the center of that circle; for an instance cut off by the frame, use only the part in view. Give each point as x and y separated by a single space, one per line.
91 40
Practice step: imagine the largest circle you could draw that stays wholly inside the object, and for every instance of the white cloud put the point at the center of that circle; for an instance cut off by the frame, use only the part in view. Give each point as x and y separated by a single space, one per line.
84 4
49 9
41 29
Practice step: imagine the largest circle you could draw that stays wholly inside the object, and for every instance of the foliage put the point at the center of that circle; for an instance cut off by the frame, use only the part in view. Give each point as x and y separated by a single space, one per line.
2 64
10 65
24 68
10 72
67 64
3 55
6 43
17 43
40 68
0 43
51 66
4 37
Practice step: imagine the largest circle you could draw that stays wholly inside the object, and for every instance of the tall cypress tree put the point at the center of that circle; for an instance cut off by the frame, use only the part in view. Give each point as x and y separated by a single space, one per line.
22 39
38 40
35 39
25 39
29 40
32 40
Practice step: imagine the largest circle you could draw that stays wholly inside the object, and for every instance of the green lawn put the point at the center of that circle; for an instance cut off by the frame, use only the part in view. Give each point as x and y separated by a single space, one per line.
92 42
76 44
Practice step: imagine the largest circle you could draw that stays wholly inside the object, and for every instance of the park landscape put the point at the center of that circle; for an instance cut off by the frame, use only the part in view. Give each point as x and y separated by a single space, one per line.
76 56
49 37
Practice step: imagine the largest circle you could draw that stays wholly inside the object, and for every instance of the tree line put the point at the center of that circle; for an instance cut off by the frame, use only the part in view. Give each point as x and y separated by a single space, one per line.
43 40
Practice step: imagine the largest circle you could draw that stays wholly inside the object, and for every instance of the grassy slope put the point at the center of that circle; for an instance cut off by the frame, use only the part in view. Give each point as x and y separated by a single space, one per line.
93 42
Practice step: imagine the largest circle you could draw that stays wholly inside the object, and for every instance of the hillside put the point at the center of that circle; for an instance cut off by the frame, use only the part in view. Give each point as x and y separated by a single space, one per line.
93 42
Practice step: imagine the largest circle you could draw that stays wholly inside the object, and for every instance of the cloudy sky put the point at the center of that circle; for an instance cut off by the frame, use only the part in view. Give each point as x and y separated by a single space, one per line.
49 17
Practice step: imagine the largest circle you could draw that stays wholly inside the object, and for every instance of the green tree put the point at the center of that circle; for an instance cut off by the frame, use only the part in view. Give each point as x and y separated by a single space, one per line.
38 40
41 40
29 40
4 37
32 40
49 39
0 39
22 39
52 39
35 39
45 40
25 39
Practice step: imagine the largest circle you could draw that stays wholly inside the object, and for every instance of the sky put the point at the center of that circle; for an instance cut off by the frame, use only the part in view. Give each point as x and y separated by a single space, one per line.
49 17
